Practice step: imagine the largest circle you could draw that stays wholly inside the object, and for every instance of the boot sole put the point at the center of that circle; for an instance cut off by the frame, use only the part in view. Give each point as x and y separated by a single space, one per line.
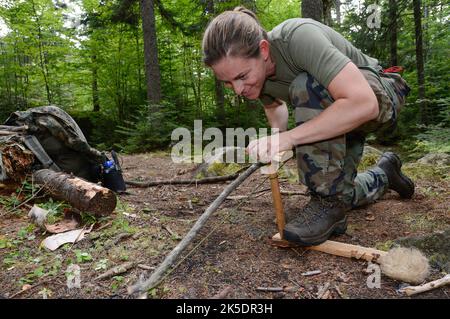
395 160
338 228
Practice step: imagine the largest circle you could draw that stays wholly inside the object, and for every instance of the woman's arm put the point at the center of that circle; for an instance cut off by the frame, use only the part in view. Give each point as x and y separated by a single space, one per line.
355 104
277 114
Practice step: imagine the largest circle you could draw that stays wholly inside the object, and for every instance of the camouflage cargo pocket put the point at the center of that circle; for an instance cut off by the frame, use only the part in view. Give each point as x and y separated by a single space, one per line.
397 88
387 113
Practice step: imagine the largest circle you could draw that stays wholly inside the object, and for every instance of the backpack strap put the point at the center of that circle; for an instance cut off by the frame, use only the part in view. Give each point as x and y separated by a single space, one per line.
33 145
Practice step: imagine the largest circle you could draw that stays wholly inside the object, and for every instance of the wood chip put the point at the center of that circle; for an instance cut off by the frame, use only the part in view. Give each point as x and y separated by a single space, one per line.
311 273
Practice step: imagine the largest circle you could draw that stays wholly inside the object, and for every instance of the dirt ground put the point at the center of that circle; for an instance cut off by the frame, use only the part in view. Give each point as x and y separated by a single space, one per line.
231 255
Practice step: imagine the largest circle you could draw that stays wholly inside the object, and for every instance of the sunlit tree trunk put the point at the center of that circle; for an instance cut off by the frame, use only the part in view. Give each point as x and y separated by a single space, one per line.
419 60
152 71
337 6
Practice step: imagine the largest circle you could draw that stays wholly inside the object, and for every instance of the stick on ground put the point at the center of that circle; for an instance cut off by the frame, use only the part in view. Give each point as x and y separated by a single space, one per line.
205 180
155 278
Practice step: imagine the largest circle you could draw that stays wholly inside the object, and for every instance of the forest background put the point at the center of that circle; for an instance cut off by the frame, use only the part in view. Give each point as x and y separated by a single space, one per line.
130 71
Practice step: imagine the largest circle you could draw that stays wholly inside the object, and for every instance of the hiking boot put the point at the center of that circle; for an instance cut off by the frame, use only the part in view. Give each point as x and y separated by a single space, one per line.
391 164
318 220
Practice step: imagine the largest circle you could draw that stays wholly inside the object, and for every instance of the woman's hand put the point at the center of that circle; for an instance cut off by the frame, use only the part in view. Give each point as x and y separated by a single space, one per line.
265 148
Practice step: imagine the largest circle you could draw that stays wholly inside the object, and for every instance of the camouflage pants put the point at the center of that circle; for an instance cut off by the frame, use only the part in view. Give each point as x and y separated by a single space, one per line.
330 167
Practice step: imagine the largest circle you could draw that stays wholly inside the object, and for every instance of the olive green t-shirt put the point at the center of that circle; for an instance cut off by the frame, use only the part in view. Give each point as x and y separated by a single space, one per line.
305 45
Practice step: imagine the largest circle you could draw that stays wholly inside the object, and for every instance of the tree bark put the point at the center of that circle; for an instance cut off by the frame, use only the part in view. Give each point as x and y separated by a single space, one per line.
152 71
337 5
81 194
393 32
220 103
312 9
327 5
95 98
218 86
419 61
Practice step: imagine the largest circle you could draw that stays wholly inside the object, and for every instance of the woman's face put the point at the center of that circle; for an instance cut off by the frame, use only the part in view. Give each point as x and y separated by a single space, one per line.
246 76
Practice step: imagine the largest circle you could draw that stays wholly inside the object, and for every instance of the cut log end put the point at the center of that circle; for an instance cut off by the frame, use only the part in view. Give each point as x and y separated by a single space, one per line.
103 203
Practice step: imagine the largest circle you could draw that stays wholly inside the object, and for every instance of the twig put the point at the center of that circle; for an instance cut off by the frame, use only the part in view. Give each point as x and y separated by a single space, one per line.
32 287
104 226
270 289
293 193
413 290
323 290
311 273
145 267
173 234
205 180
116 270
176 252
223 293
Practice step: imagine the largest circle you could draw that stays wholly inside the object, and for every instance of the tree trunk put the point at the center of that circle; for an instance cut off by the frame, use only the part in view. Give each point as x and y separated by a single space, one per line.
152 71
312 9
337 5
81 194
95 98
42 60
327 5
419 61
218 86
220 103
393 32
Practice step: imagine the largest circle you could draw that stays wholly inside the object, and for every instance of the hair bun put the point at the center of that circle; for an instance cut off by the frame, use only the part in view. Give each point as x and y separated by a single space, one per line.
246 11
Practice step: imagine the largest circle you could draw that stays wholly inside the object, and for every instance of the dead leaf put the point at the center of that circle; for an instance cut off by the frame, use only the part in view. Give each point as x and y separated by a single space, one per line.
62 226
370 217
26 287
55 241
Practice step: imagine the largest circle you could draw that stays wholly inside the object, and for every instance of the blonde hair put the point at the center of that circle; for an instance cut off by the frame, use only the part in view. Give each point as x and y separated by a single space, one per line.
232 33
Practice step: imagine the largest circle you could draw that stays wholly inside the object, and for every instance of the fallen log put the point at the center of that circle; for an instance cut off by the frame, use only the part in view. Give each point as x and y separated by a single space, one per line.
15 161
82 195
206 180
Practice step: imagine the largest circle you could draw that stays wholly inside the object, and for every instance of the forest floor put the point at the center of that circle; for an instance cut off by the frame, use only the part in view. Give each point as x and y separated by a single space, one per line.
230 256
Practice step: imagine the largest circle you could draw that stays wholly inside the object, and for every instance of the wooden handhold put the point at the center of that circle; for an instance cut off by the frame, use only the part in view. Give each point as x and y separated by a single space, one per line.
336 248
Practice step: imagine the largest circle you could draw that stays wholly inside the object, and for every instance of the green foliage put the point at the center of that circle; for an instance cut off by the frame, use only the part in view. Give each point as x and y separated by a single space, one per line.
47 59
82 257
150 130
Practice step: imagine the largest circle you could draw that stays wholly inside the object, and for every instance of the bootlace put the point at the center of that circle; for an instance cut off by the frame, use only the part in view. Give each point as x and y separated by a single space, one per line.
315 209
